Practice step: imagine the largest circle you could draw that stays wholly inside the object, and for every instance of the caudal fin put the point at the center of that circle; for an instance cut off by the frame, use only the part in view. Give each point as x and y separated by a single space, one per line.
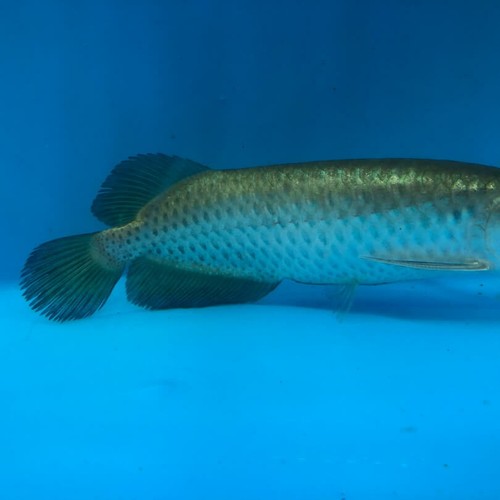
63 280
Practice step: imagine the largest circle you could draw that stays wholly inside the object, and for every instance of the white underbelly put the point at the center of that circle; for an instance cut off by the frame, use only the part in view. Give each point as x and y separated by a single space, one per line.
300 246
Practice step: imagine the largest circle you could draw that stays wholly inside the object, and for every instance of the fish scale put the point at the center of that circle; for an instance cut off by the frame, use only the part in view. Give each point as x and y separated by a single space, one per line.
189 236
273 225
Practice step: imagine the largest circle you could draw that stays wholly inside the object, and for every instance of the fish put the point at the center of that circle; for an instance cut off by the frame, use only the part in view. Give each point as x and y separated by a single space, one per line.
187 235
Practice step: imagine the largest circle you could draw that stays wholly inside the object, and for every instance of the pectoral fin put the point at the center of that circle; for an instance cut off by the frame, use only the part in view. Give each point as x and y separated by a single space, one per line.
459 264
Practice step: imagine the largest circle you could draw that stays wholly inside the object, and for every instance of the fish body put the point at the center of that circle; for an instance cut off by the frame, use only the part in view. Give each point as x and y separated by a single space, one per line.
200 237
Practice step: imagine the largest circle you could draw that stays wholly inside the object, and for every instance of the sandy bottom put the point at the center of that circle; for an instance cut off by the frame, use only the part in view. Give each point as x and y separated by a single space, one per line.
399 398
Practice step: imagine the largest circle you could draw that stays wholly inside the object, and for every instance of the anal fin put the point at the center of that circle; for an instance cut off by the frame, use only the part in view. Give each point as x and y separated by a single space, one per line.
156 285
460 264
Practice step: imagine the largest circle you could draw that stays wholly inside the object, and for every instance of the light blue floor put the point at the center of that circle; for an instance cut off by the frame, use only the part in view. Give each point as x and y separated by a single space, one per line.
280 400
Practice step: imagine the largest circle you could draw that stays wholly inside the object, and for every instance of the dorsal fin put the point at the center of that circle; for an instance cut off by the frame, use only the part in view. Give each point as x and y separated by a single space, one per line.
135 182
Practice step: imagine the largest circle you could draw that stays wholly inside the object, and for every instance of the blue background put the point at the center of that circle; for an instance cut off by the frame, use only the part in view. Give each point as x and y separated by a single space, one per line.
400 399
83 85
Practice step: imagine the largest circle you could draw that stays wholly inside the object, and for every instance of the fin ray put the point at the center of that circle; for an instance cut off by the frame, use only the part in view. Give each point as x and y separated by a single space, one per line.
156 285
135 182
63 281
460 264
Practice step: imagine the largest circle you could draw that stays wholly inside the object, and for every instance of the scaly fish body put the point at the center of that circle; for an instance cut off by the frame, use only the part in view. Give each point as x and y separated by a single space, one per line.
207 236
317 223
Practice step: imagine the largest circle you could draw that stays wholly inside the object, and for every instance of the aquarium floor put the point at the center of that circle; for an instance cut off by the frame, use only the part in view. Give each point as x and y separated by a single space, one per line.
399 398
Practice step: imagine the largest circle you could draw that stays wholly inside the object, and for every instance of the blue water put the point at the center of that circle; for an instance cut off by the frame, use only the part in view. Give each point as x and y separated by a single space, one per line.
399 398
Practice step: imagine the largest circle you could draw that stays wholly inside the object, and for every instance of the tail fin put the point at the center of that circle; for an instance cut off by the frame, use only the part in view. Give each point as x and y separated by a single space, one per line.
63 280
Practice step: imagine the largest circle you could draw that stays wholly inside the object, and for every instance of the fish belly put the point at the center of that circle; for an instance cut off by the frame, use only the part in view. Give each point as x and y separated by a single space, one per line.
301 243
